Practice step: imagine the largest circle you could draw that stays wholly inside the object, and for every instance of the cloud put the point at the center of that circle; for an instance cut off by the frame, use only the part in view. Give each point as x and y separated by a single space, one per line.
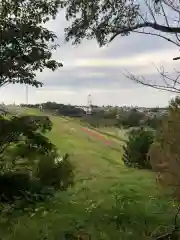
137 44
106 96
100 71
138 60
108 73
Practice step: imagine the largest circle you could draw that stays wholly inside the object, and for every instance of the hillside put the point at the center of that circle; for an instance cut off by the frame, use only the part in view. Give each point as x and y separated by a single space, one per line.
108 201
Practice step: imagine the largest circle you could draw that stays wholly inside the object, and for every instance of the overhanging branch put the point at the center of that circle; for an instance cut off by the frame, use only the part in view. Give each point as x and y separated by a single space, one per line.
155 26
158 35
166 86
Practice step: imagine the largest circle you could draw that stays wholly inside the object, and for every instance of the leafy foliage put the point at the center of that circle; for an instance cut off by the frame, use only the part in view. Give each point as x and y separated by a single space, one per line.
57 173
99 19
105 117
26 46
59 109
105 20
164 154
154 122
22 135
136 149
23 149
64 110
16 185
131 119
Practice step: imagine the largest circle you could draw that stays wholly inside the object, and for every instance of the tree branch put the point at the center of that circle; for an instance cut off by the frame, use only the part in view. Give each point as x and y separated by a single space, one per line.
156 26
141 80
164 13
176 58
170 5
158 35
150 10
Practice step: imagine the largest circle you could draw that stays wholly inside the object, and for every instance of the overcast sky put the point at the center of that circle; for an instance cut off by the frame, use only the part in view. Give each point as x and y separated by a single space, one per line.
89 69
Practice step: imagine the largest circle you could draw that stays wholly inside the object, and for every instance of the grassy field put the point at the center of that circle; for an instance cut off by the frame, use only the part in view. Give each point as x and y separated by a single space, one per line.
108 201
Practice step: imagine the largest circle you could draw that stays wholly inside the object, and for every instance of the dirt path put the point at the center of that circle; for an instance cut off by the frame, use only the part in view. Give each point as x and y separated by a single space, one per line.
97 135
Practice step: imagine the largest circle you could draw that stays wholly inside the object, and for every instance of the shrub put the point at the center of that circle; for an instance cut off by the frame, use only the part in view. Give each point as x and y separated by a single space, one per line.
19 185
52 174
23 149
57 173
130 119
136 148
164 153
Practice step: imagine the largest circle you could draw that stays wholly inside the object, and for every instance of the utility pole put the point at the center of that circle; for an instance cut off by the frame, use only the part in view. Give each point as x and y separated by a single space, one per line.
27 94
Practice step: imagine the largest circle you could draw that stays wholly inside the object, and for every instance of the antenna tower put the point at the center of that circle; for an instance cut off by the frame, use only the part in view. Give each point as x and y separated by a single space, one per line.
89 104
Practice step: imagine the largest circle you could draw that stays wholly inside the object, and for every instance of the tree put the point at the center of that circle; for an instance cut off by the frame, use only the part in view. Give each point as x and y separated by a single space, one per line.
131 119
26 47
164 153
22 145
153 122
61 109
25 44
106 20
23 134
137 147
29 162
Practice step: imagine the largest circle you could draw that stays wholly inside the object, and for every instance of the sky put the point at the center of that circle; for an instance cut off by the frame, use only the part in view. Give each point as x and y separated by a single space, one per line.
100 72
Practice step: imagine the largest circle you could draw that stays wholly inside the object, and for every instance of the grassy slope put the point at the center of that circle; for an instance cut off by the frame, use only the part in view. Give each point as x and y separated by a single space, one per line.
101 180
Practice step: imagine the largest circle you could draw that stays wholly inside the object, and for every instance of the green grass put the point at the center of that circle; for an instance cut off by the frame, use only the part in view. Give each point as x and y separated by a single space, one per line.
108 201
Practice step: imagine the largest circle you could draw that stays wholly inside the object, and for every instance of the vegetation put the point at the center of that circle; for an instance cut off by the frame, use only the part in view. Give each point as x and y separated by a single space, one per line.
102 117
57 173
164 153
108 200
137 147
106 20
23 147
59 109
26 47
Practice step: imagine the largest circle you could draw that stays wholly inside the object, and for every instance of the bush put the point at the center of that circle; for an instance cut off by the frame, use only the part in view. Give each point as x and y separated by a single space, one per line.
136 148
19 185
164 153
52 174
57 173
24 148
130 119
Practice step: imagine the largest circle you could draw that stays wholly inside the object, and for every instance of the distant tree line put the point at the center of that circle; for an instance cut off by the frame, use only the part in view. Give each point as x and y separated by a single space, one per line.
59 109
134 118
125 119
105 117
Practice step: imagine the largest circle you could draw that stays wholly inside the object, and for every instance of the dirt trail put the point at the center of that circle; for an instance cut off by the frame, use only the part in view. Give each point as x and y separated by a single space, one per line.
99 136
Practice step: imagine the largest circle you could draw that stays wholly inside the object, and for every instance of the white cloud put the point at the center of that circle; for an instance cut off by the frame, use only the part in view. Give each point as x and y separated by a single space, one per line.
90 69
139 96
54 91
141 60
